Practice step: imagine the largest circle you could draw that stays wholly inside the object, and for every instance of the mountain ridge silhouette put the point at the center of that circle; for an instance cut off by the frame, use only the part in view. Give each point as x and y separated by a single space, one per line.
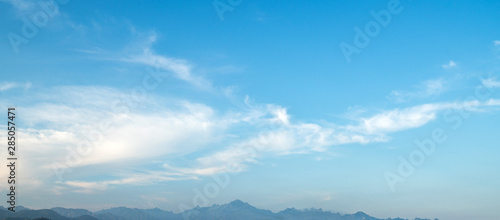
236 209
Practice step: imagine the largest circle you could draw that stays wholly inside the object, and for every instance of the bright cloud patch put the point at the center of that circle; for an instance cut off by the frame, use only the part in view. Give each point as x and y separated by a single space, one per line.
79 128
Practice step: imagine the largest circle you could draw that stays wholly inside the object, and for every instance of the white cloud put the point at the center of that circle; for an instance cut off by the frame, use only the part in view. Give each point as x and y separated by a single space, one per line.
26 8
21 4
396 120
90 51
67 119
59 126
449 65
490 82
425 89
141 52
412 117
131 179
297 138
496 42
4 86
64 125
281 116
181 69
158 131
434 87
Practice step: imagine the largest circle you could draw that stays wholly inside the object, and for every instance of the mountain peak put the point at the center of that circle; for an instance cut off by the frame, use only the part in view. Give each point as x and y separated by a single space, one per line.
290 211
360 213
238 202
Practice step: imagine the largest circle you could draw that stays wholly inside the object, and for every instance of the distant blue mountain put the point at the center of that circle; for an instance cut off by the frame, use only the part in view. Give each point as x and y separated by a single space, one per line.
29 214
234 210
71 213
18 208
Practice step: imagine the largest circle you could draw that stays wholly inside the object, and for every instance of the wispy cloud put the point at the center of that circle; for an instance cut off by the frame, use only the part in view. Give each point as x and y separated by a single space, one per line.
23 5
140 51
425 89
4 86
91 51
496 42
163 127
181 69
59 122
490 82
434 87
298 138
28 7
449 65
398 119
131 179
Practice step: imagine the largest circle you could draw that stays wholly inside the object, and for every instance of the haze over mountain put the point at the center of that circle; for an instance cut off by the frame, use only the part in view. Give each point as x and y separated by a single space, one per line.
236 209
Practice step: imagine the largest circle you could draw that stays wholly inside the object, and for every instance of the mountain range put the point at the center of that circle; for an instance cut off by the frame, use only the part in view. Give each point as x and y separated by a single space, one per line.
233 210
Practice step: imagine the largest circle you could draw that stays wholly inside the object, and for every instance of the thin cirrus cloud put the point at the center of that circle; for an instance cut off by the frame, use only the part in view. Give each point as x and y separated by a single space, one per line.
412 117
425 89
449 65
4 86
66 118
149 177
141 52
22 5
307 138
180 69
167 129
26 8
298 138
490 82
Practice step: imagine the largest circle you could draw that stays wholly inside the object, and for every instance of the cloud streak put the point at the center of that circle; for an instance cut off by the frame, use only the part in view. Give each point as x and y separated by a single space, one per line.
490 82
162 130
4 86
449 65
180 69
428 88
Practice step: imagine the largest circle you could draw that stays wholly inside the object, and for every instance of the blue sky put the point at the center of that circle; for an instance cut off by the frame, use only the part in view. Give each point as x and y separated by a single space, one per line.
174 104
